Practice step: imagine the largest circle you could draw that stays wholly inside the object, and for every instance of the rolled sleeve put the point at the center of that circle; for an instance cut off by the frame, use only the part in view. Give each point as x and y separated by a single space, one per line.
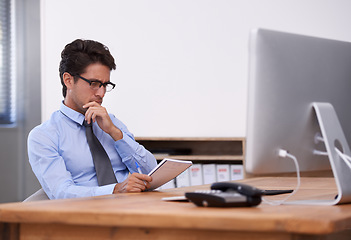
126 146
131 151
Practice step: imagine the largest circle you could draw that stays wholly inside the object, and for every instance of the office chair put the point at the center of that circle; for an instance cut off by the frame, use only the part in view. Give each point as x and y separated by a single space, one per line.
37 196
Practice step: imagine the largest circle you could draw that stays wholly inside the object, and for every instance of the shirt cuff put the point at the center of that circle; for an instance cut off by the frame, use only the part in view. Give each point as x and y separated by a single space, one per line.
105 190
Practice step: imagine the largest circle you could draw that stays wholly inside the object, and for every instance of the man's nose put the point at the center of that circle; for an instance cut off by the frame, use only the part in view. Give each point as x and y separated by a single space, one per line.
101 91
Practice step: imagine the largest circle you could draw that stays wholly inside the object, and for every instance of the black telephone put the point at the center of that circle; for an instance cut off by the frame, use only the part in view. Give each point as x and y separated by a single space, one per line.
230 194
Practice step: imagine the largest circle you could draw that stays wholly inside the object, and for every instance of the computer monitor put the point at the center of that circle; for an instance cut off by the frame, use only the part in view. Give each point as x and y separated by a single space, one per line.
299 101
287 74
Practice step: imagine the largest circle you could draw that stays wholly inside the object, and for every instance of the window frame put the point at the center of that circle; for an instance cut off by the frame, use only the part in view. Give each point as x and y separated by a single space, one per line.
7 81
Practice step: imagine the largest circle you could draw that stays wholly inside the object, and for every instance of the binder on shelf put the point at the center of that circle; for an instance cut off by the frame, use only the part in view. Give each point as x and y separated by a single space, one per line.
183 179
209 173
236 172
196 175
223 172
168 185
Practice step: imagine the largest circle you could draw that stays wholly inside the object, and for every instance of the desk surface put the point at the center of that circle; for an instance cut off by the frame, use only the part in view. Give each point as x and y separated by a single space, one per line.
147 211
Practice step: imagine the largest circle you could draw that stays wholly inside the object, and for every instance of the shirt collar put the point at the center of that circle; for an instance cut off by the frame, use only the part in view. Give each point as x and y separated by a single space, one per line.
72 114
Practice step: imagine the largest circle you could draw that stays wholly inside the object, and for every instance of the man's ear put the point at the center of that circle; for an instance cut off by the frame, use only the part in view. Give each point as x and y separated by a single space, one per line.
68 80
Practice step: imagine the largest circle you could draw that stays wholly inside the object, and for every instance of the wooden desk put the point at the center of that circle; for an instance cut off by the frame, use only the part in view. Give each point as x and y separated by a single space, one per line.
145 216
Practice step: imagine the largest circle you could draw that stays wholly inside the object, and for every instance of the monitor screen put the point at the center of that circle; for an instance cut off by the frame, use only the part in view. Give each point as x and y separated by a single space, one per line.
287 73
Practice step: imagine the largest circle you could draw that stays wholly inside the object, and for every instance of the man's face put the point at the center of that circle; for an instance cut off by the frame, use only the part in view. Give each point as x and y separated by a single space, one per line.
80 92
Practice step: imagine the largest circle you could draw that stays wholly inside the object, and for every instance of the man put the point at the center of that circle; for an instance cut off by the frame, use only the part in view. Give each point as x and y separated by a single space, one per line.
58 149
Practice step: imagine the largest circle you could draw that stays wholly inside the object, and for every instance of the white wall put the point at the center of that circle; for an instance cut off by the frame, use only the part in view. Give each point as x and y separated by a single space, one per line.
181 64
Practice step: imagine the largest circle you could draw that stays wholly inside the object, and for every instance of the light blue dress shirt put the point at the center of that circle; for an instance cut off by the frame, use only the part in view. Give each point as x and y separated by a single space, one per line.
61 160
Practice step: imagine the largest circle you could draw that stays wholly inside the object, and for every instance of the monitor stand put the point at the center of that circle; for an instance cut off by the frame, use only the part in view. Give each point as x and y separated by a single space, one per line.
333 137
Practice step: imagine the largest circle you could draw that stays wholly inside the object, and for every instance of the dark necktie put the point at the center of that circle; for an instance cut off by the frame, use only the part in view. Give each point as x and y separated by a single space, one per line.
102 163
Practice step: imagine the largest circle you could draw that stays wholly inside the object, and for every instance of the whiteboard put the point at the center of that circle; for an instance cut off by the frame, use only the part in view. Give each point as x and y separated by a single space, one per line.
181 64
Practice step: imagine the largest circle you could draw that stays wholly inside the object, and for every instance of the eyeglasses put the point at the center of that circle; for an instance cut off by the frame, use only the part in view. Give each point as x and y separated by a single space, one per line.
96 84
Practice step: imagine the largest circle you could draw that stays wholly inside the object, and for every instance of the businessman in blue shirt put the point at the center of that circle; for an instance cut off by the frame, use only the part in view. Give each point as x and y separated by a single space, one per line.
58 149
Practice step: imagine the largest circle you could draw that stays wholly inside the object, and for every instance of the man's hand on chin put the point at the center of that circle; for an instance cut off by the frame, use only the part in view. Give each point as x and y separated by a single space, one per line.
98 113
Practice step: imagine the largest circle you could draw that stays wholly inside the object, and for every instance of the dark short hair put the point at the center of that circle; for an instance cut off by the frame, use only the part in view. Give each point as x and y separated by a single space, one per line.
79 54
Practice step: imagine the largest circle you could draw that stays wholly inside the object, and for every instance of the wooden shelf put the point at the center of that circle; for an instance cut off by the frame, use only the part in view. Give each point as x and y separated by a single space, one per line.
197 149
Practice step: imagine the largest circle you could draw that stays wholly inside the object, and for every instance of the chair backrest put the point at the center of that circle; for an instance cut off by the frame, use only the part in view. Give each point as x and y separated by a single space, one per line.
37 196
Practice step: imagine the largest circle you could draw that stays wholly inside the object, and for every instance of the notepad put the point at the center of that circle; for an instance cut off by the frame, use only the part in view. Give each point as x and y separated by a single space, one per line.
166 170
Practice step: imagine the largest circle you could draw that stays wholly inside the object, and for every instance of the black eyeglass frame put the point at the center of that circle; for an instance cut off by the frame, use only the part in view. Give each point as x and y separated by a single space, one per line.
101 83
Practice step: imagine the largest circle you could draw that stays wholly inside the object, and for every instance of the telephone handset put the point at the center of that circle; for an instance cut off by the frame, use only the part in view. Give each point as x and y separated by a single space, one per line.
230 194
